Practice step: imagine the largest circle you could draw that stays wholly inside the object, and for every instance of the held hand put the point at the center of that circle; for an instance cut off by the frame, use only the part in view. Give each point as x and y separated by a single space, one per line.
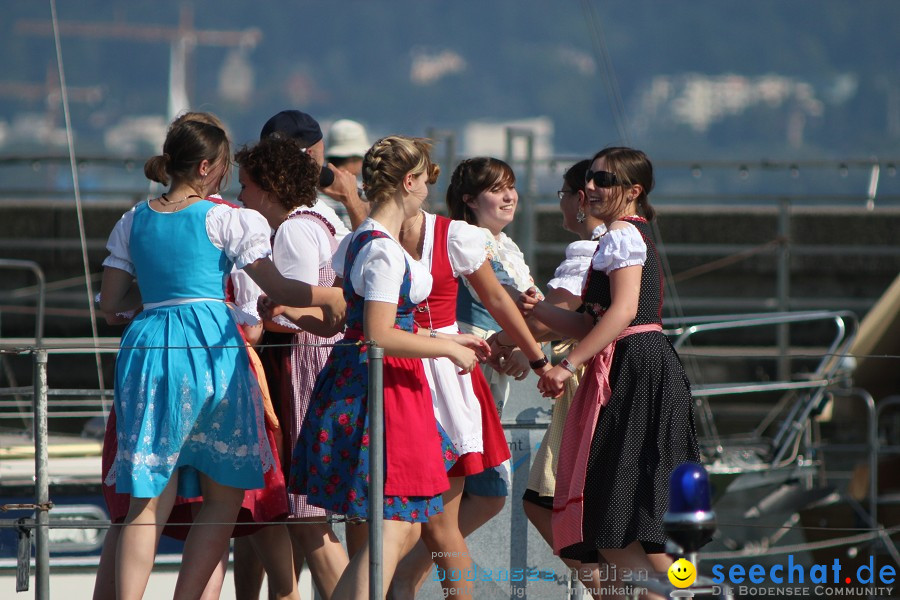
267 308
543 370
333 312
479 345
533 291
553 382
527 301
499 355
516 365
463 357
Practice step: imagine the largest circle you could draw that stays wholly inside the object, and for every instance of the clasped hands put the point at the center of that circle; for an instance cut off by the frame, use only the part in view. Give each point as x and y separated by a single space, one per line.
553 380
332 313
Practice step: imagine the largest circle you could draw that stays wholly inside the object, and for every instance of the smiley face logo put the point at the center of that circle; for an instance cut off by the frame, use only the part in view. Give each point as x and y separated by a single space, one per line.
682 573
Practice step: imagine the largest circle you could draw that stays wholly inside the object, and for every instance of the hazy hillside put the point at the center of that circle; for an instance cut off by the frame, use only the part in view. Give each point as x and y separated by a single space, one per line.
707 78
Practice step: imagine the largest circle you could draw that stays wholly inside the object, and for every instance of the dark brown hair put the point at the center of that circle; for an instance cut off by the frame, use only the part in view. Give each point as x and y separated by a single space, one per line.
471 177
574 175
281 166
632 167
188 143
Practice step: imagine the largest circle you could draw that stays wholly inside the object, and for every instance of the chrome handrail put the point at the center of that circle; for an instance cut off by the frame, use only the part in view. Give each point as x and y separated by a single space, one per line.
813 387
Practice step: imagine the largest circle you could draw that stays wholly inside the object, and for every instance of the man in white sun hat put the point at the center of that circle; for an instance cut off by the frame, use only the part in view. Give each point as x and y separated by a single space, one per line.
347 145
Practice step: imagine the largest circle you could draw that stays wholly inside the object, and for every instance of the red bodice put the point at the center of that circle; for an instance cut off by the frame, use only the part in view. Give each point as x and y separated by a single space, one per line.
440 305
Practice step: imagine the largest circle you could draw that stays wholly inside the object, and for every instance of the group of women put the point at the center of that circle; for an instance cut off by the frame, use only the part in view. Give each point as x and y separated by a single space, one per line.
439 295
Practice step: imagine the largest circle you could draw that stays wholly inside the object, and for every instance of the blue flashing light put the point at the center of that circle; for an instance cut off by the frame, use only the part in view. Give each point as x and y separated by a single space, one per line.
689 489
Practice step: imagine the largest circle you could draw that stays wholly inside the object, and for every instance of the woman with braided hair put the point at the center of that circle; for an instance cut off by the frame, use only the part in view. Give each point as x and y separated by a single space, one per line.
382 286
454 250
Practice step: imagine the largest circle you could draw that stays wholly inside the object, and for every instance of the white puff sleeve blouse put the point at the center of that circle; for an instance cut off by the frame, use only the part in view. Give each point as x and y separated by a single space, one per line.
619 248
465 246
571 272
119 244
377 272
241 233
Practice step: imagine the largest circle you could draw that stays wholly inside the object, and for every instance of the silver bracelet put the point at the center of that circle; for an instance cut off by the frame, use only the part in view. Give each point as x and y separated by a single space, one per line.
565 364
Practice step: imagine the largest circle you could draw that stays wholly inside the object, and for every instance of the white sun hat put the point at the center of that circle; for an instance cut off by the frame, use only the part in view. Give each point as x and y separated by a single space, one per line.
346 138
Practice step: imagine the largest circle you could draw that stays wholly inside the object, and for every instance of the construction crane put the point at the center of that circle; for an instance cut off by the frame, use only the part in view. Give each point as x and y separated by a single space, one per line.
182 40
49 90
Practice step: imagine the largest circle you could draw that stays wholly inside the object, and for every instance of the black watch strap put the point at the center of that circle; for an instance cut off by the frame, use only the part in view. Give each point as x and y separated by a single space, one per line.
539 363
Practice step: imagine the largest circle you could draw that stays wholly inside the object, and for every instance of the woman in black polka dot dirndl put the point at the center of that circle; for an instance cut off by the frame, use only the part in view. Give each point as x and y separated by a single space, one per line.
631 421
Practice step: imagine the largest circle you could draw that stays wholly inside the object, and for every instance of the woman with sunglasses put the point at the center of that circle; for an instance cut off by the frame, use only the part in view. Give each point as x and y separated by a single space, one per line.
563 290
631 421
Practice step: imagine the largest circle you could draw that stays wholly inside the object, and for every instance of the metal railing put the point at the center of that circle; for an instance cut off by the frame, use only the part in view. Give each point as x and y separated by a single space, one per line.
40 524
868 184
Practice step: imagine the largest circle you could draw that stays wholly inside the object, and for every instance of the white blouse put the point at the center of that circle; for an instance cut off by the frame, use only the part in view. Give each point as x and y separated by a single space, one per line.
246 294
300 248
464 245
377 272
322 207
572 271
620 248
241 233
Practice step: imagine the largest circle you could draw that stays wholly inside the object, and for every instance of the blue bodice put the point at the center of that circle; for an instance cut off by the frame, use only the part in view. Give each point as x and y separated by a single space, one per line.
173 256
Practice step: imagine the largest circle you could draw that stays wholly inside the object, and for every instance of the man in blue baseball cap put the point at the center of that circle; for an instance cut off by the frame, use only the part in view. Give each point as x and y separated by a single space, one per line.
339 193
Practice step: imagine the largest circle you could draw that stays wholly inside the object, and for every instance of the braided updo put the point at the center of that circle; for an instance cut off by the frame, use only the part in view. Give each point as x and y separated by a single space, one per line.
389 160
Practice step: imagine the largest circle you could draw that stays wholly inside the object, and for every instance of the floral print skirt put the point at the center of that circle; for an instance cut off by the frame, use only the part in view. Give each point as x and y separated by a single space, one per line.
330 463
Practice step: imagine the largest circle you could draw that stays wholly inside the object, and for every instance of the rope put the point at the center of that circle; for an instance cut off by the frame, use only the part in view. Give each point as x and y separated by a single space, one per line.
797 548
726 261
64 95
609 79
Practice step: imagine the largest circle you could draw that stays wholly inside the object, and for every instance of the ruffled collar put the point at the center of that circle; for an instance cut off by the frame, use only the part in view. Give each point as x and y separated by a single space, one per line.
505 251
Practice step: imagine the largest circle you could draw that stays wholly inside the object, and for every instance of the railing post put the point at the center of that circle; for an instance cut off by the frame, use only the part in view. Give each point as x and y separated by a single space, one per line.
448 162
375 357
523 224
30 265
41 480
783 286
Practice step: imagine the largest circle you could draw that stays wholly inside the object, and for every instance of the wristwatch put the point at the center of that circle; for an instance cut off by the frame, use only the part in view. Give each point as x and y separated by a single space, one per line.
565 364
539 363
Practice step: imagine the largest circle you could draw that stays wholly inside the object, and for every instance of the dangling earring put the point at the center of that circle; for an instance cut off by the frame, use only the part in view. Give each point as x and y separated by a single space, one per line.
580 216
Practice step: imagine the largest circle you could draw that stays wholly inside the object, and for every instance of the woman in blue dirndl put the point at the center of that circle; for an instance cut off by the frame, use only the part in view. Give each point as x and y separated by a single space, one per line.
189 409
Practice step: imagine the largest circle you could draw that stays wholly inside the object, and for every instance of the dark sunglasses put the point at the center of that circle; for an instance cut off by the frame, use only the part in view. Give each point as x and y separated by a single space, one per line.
601 179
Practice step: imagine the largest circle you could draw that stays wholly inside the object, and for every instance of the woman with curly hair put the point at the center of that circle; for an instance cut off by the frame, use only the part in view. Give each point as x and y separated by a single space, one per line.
278 179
